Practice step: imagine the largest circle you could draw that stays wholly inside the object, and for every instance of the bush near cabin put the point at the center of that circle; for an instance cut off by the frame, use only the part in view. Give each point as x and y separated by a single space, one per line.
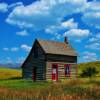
89 72
83 67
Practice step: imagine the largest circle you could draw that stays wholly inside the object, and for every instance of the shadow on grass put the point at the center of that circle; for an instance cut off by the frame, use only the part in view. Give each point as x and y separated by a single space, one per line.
13 78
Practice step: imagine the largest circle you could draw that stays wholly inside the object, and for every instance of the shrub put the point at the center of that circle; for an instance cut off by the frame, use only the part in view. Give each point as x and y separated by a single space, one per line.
89 72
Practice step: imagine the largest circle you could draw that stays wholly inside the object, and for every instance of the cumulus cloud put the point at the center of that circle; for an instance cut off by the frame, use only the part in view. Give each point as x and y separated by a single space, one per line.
9 60
95 38
20 59
91 14
44 13
94 42
3 7
26 47
22 33
13 49
15 4
78 33
89 56
70 24
98 35
6 49
66 25
93 46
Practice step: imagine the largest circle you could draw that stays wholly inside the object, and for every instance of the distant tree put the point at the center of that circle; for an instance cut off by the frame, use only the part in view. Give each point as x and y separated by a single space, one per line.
89 72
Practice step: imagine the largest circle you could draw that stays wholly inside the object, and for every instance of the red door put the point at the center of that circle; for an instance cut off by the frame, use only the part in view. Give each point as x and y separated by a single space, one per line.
54 72
34 74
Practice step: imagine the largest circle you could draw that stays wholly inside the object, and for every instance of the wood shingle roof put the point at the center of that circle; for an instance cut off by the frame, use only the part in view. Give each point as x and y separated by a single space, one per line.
60 48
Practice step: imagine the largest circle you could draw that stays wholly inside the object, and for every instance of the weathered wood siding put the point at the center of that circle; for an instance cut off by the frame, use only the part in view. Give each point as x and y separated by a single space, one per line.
61 58
61 70
61 61
32 62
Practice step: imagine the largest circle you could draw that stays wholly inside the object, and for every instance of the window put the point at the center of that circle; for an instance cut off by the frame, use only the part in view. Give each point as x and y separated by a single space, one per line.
67 70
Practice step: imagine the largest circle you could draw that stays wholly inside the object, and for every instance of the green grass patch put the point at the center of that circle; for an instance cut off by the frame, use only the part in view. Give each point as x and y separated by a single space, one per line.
23 84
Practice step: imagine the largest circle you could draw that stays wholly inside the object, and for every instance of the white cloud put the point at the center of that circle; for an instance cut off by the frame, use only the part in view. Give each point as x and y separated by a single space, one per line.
20 60
26 47
91 14
50 30
98 35
70 24
9 60
89 56
53 31
15 4
14 49
3 7
22 33
66 25
57 36
78 33
93 46
6 49
95 38
44 13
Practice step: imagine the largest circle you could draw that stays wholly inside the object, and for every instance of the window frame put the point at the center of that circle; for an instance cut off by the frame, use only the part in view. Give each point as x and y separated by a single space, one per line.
67 74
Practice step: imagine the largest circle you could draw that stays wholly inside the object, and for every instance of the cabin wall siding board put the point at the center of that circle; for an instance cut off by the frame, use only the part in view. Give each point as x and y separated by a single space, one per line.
61 58
61 70
26 73
32 62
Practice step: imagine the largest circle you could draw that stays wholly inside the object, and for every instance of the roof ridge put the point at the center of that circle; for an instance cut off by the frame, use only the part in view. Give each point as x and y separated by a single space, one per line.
55 47
49 40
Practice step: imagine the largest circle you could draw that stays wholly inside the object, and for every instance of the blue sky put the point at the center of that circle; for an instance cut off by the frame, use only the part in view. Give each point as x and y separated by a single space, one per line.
21 21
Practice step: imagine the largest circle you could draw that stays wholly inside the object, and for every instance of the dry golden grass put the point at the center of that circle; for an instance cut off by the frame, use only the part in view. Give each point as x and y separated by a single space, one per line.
7 94
69 90
6 73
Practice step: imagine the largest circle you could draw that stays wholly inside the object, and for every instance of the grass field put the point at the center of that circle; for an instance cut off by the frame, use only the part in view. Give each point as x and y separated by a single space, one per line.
12 87
6 73
79 89
83 66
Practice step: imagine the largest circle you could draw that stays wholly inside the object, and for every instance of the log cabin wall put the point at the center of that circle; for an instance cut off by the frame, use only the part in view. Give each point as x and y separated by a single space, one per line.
61 70
61 58
35 62
61 61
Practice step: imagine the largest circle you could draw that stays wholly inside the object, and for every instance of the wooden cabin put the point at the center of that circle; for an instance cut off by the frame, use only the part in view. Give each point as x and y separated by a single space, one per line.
50 60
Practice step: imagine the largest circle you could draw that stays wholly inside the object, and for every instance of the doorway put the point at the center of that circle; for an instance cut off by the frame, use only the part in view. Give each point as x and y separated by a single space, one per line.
34 74
54 72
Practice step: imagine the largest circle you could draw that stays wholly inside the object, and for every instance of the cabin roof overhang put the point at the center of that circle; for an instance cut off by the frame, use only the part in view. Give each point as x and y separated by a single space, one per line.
58 48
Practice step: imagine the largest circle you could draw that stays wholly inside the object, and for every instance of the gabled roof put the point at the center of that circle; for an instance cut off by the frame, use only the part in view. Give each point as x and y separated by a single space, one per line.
60 48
